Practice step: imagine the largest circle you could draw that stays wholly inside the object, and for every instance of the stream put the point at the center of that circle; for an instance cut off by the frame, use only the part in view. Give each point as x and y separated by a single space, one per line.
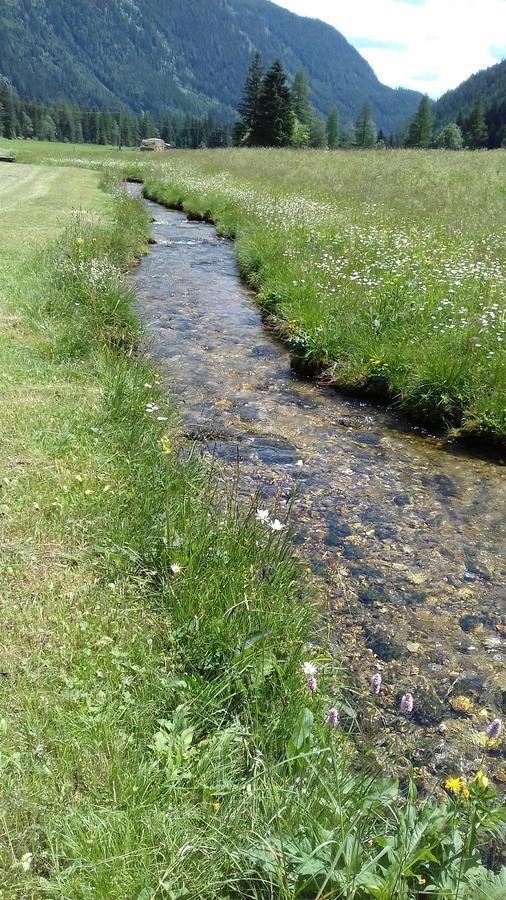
407 536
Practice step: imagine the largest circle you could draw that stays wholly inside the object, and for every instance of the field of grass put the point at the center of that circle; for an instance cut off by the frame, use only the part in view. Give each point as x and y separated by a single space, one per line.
385 271
159 736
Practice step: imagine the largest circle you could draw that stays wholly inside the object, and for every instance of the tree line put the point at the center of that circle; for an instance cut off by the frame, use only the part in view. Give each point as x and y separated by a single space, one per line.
273 113
77 124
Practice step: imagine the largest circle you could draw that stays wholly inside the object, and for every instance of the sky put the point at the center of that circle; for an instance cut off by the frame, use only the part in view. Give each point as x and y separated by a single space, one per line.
428 45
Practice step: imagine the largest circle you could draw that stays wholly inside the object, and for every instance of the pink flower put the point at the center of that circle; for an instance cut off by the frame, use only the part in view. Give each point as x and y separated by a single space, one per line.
332 717
407 703
376 683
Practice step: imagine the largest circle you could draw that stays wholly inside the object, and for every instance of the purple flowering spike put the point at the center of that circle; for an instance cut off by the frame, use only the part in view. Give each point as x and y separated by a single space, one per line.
312 684
407 703
376 683
494 729
332 717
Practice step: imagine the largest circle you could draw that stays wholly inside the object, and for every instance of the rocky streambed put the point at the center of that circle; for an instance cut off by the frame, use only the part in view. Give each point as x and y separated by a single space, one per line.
407 536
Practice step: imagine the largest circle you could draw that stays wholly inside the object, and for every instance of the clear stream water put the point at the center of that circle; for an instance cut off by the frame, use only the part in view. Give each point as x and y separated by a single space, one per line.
408 537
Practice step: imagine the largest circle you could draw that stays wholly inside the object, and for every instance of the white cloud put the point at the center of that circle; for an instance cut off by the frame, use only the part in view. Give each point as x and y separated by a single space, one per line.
428 45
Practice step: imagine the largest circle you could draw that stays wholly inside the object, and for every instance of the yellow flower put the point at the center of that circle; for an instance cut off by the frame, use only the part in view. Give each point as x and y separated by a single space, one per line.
166 444
80 241
454 785
481 779
216 805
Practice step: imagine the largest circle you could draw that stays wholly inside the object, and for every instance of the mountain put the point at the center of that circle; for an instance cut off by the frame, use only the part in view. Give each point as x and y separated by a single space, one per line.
181 56
490 85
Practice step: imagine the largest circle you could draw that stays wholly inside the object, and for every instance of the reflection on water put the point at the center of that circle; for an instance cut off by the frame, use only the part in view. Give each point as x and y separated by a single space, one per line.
408 537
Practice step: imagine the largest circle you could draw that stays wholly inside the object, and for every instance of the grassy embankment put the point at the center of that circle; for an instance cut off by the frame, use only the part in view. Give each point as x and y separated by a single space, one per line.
157 735
385 271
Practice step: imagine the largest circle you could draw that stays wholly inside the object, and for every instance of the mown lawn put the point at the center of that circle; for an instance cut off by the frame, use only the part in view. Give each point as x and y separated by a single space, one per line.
166 729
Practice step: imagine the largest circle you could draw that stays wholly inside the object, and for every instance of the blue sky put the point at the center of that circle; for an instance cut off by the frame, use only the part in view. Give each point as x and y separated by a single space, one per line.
427 45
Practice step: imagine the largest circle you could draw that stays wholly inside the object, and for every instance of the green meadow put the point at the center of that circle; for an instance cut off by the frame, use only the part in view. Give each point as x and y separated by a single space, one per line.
385 272
160 730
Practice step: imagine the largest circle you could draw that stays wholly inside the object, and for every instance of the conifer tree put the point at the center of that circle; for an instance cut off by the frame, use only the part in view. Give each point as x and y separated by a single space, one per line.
420 129
300 99
477 132
350 136
365 128
333 137
273 124
248 106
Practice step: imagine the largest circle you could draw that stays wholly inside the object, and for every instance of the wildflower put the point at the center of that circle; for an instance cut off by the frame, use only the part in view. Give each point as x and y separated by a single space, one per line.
376 683
276 525
454 785
151 407
480 779
466 793
309 669
494 729
312 684
80 241
407 703
176 569
332 717
166 444
263 516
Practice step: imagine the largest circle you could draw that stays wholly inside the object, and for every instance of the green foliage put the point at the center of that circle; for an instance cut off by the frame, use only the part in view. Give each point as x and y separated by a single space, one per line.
457 105
450 137
476 127
318 134
365 129
272 126
420 128
300 99
333 132
249 105
178 59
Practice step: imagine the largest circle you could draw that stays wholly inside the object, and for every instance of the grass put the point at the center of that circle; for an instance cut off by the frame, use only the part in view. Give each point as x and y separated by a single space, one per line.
383 271
157 736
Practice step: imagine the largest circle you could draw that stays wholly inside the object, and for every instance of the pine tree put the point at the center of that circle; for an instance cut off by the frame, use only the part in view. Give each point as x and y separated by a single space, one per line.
7 101
273 124
300 99
350 136
365 128
477 132
333 138
420 128
248 106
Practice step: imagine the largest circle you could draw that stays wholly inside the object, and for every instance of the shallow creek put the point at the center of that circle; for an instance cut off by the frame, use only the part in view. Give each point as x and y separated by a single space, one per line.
407 536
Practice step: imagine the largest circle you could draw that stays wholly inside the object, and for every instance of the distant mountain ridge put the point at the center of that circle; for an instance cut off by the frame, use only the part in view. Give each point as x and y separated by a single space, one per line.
182 57
490 85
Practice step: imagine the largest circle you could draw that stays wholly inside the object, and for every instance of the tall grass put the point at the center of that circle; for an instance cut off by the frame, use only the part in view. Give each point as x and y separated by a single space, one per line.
164 741
384 271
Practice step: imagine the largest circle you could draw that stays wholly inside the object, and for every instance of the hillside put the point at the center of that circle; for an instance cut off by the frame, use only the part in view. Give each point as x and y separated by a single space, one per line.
191 57
490 85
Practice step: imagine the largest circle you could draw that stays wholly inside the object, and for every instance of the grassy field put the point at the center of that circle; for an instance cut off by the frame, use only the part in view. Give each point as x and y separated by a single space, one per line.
385 271
159 735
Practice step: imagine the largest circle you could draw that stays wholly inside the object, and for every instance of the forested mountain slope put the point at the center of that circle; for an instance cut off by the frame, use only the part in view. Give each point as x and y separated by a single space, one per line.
187 57
490 86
